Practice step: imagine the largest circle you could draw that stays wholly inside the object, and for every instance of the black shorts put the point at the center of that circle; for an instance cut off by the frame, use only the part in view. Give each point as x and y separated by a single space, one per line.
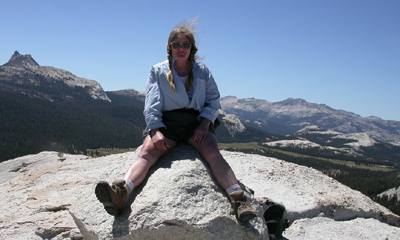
181 124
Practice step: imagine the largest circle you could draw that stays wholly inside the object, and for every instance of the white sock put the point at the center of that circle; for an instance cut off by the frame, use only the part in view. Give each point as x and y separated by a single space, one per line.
233 188
129 186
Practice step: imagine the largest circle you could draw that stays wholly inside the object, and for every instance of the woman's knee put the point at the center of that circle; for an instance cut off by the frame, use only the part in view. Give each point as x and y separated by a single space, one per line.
150 153
213 151
148 157
213 156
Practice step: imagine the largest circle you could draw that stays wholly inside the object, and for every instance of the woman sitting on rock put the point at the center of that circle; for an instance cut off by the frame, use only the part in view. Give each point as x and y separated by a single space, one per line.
182 103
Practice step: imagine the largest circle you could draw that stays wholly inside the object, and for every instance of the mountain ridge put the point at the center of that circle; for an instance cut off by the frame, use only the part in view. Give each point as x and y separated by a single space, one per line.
242 118
23 74
290 115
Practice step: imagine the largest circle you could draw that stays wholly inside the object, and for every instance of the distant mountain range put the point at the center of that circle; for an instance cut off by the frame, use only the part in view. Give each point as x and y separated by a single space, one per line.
46 108
291 115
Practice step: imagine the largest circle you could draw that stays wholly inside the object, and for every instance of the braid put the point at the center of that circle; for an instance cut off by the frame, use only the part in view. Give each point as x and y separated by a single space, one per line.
189 82
170 77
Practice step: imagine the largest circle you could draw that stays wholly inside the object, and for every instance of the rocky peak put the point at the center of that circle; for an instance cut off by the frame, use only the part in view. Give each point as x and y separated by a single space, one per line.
15 55
18 60
23 74
294 101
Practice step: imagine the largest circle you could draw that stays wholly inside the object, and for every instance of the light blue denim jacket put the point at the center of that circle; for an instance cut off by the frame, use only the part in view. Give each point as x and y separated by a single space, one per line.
160 97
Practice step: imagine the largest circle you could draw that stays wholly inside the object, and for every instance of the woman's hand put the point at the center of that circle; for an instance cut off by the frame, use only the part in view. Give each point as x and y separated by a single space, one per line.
158 139
201 132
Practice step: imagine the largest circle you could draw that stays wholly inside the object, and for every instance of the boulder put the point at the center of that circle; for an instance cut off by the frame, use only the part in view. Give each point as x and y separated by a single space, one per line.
329 229
46 196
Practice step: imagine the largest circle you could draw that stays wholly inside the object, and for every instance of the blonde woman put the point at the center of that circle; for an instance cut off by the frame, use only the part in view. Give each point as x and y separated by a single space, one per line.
182 103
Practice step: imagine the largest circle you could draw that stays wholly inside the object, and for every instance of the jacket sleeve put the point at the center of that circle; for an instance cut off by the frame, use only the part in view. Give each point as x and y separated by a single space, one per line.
212 104
153 102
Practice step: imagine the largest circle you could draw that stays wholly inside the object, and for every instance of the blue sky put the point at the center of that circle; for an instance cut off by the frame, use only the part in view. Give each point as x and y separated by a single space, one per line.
345 54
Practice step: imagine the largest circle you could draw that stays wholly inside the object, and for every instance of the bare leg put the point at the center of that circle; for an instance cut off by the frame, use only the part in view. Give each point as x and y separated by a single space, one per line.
225 176
219 167
148 156
114 197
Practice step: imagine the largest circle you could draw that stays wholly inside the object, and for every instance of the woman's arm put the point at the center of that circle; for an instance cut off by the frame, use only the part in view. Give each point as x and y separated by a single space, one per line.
153 102
212 104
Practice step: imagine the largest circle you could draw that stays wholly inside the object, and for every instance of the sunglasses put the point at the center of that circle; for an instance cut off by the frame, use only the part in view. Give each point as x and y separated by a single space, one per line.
186 45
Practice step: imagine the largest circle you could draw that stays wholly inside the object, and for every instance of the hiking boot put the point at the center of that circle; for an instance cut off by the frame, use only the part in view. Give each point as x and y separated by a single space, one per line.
244 211
113 197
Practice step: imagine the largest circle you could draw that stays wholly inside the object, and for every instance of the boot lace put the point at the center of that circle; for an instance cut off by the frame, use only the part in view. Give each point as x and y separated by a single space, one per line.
243 206
119 190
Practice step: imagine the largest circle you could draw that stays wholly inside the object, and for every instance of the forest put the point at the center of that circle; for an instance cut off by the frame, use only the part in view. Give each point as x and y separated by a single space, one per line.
32 125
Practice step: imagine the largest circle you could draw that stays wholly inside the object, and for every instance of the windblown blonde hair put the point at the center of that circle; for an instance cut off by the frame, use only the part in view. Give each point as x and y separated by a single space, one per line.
185 28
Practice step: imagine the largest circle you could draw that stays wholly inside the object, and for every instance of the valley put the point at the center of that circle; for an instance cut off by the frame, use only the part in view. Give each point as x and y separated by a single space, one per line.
260 147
